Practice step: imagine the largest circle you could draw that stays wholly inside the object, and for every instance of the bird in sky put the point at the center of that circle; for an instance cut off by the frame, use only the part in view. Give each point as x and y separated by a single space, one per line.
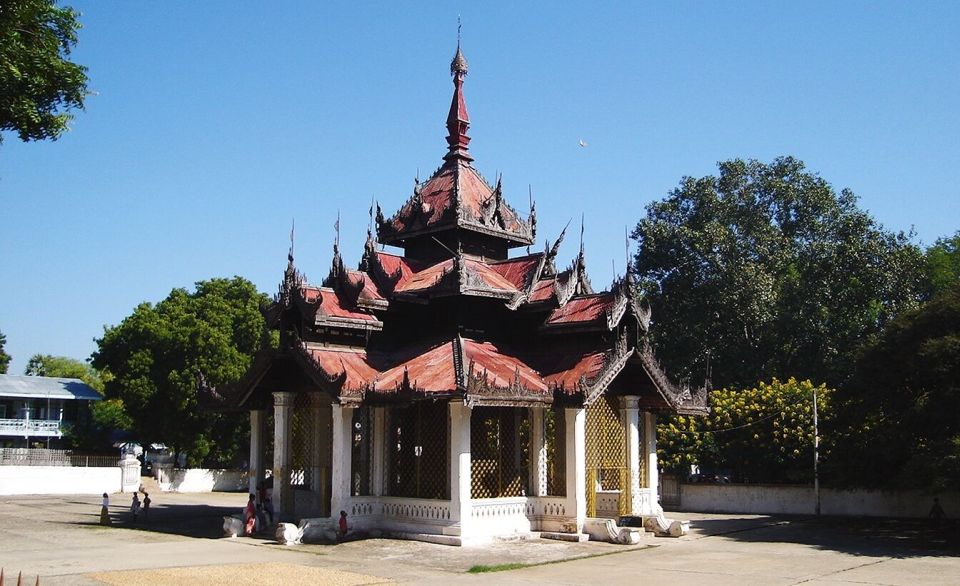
583 143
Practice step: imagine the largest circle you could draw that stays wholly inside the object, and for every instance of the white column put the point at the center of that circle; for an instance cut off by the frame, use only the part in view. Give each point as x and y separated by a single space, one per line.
538 453
630 413
460 503
379 446
650 449
282 495
342 450
257 418
576 444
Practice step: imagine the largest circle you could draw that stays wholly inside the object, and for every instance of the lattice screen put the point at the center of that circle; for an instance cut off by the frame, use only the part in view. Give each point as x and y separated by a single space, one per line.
417 451
555 438
361 456
301 442
606 457
500 452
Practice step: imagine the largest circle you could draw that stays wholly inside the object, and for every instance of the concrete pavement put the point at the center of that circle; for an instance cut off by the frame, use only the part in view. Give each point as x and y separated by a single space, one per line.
58 539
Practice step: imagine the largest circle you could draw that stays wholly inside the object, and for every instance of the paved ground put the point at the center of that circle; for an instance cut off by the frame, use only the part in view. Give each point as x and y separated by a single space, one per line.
58 538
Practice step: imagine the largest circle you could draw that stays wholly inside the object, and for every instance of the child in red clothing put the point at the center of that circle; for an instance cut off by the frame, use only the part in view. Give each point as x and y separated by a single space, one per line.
342 534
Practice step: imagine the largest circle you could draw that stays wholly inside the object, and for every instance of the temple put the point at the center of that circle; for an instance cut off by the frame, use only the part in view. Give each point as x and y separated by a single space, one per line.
452 392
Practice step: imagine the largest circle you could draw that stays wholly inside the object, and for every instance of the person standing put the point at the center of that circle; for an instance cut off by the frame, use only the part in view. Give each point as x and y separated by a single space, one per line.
146 506
135 506
105 510
250 515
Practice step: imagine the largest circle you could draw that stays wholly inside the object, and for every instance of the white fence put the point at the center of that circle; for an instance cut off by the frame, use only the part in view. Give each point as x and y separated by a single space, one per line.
58 480
206 480
774 499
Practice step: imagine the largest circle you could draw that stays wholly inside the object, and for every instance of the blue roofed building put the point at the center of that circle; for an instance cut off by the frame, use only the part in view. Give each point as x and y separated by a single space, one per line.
35 411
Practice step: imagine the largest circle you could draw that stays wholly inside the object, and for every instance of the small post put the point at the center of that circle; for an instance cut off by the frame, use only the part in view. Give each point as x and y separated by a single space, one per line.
816 454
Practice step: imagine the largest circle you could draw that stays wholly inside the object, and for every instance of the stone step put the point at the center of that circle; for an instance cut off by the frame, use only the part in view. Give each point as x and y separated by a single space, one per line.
573 537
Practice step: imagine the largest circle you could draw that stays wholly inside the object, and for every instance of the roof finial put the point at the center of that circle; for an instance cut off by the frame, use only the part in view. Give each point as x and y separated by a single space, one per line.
336 229
293 226
458 120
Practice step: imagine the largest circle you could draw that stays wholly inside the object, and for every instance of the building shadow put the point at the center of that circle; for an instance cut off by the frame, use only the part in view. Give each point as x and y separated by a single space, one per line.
860 536
188 520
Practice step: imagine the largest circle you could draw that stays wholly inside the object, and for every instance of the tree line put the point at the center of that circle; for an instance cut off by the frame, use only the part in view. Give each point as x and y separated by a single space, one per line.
764 273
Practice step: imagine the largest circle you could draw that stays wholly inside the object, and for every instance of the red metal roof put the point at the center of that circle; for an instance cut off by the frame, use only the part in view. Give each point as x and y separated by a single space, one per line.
369 289
581 309
431 371
455 185
564 371
500 369
490 276
334 362
329 303
517 270
542 291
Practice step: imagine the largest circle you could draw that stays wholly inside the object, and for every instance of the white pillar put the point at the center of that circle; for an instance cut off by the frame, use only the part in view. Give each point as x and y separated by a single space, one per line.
257 418
538 453
576 452
460 480
342 450
650 449
379 446
282 495
630 413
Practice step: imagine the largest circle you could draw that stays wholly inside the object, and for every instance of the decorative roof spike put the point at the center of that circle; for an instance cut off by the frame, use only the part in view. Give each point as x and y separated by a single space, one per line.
458 120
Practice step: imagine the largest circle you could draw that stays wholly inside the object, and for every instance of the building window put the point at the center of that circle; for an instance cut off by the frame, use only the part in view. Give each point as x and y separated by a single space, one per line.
361 455
417 451
499 452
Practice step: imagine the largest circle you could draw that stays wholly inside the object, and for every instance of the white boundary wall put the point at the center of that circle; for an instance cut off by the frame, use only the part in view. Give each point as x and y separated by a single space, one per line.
59 480
774 499
208 480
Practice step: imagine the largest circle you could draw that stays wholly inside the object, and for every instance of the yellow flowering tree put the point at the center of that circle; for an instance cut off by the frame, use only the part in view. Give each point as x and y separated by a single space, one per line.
760 434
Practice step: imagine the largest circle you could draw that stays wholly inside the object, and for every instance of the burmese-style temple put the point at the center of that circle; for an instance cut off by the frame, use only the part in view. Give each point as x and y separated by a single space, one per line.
448 391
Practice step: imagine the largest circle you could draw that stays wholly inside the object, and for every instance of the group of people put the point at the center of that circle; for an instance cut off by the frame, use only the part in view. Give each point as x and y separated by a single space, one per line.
258 515
136 507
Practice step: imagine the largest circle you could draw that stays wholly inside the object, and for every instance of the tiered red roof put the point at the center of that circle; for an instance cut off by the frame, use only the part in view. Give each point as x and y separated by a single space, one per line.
454 317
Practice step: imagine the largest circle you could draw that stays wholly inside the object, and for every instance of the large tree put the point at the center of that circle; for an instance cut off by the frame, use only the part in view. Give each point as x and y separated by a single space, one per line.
943 264
765 271
38 83
4 357
156 355
64 367
898 422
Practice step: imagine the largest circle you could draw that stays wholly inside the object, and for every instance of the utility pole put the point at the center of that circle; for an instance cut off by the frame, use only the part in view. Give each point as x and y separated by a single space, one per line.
816 454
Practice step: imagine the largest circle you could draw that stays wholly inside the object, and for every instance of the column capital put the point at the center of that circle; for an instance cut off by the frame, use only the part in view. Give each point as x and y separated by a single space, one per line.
283 398
630 402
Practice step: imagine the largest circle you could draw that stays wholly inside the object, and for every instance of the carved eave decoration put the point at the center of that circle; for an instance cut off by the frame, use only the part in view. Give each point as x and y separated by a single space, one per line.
410 220
684 400
233 396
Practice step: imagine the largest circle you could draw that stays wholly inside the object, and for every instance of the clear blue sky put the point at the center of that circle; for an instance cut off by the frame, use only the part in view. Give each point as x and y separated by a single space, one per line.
215 123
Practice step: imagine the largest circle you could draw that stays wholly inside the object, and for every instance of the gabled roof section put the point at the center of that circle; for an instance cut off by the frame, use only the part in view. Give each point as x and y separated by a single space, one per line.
456 196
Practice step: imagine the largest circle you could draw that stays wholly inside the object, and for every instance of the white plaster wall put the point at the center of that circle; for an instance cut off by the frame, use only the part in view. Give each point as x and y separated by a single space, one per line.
800 500
59 480
204 480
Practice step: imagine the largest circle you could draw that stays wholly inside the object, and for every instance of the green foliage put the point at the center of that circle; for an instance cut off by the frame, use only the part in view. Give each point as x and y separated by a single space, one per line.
943 264
765 271
4 357
762 434
156 355
898 424
63 367
38 84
